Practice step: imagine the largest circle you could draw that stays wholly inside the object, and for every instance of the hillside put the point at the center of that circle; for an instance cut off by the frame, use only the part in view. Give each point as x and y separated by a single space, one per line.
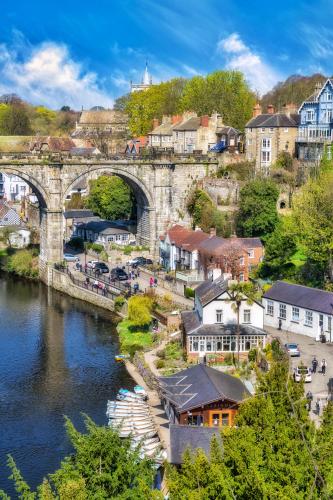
295 89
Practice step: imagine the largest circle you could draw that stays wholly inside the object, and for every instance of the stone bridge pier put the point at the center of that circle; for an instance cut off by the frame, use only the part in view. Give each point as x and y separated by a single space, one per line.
161 190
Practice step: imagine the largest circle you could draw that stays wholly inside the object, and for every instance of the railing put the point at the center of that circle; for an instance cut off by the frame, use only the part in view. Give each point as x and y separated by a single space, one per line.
188 277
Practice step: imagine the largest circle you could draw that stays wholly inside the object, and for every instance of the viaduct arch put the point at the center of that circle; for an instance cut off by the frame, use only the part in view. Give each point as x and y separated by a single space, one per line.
161 189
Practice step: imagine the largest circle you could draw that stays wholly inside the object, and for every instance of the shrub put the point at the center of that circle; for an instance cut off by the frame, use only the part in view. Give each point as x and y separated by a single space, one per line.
128 250
252 354
189 293
104 256
139 311
160 363
161 353
228 359
96 247
76 243
119 302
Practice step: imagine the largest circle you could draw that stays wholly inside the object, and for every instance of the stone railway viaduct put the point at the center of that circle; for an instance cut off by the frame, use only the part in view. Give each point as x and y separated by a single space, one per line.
160 187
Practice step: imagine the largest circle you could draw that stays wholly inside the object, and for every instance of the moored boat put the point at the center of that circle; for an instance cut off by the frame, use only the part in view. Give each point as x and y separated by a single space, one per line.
121 357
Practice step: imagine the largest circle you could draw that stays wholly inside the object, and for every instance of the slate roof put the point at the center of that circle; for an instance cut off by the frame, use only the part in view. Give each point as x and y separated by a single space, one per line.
228 329
163 129
103 227
216 245
190 320
190 124
227 131
301 296
184 437
201 385
78 214
210 290
274 120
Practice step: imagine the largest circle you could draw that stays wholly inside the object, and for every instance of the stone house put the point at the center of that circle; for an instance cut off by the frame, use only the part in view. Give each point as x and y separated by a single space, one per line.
161 136
136 145
211 328
299 309
8 216
195 133
104 232
316 122
269 134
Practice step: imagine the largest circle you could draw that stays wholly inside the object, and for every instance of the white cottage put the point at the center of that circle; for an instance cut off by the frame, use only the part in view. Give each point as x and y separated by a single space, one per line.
211 328
299 309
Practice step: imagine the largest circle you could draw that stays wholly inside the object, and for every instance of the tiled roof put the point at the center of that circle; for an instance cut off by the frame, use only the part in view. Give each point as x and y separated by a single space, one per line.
78 214
215 245
186 238
190 124
301 296
190 320
228 329
191 437
56 144
209 290
200 385
273 120
227 130
163 129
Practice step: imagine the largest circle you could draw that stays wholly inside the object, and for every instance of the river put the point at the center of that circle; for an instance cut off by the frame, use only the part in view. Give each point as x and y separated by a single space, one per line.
57 358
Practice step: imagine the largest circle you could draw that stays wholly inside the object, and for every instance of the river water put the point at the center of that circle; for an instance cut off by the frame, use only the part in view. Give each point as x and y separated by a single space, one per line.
56 359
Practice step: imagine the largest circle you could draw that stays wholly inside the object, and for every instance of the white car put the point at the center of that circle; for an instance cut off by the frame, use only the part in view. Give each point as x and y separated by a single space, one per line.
303 373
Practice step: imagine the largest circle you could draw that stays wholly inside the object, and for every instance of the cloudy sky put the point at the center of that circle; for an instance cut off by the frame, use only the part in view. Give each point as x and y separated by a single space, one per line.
84 53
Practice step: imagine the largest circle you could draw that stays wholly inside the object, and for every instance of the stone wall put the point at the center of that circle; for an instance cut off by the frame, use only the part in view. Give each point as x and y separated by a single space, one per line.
222 190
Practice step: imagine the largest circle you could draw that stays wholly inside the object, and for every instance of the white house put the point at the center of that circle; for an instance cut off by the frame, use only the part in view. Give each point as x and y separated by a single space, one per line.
299 309
179 248
20 237
104 232
211 328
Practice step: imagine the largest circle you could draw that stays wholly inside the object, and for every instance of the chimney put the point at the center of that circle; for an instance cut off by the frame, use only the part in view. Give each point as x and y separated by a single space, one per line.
290 109
270 109
155 123
204 120
176 118
212 232
256 110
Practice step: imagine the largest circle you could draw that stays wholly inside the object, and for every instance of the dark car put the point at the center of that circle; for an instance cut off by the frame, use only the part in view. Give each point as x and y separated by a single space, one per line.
119 274
101 267
139 261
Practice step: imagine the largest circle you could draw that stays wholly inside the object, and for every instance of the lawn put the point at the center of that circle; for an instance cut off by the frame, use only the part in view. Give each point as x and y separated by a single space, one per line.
132 341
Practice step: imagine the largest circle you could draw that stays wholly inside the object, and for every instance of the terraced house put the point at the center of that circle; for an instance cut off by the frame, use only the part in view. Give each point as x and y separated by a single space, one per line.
316 122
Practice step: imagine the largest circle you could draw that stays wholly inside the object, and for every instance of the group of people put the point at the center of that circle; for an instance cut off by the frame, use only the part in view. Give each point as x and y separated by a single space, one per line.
315 364
152 282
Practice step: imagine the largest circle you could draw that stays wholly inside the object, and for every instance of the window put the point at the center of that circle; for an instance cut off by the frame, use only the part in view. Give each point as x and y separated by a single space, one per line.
241 276
308 318
310 115
265 156
282 311
219 316
271 129
251 253
247 315
270 308
241 261
266 143
329 324
286 129
225 419
295 314
321 322
263 129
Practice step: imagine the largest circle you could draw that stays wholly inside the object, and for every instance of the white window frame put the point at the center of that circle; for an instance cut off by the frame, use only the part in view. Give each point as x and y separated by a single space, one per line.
251 253
308 321
247 316
270 308
295 314
282 311
266 143
219 316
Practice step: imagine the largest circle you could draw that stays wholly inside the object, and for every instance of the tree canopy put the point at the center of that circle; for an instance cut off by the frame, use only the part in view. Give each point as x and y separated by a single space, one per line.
257 214
110 197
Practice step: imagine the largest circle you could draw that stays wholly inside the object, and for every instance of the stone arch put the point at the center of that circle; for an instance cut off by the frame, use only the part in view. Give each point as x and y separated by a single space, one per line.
146 231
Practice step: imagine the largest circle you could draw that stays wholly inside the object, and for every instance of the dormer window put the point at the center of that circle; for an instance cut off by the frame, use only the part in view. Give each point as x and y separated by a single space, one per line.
310 115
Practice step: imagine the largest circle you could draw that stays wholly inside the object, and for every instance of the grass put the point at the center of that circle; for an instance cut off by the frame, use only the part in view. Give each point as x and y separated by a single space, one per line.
132 341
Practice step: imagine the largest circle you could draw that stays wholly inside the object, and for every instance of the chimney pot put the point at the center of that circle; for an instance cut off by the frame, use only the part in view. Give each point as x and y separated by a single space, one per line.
204 120
270 109
256 110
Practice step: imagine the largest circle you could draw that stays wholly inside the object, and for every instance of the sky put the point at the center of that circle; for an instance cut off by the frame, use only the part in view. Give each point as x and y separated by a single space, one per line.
85 53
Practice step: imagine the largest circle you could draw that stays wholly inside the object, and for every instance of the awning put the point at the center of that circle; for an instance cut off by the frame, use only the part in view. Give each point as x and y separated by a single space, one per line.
219 147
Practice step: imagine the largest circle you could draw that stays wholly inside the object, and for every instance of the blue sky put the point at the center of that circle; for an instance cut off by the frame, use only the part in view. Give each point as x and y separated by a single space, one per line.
84 53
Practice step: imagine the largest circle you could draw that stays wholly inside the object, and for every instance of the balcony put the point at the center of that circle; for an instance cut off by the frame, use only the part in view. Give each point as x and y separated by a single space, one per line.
321 135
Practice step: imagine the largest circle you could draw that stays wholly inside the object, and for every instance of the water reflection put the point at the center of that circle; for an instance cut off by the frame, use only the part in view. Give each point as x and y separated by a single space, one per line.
57 359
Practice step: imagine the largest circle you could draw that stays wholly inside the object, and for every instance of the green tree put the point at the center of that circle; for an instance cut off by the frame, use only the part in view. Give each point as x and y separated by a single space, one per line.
110 197
14 120
238 294
257 214
139 311
102 466
43 120
197 204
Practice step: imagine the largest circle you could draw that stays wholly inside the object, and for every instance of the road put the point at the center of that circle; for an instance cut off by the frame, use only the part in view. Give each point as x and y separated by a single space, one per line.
310 348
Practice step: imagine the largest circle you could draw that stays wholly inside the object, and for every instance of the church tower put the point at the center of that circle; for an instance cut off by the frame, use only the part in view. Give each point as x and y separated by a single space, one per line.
146 81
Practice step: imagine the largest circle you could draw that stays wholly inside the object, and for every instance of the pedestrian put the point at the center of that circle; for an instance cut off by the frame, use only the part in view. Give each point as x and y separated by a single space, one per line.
309 398
314 364
318 407
155 282
323 366
85 268
151 282
136 287
138 272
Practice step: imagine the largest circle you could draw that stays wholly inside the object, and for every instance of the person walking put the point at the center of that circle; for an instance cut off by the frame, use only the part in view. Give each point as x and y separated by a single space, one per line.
151 282
314 364
318 407
155 282
323 366
309 398
136 287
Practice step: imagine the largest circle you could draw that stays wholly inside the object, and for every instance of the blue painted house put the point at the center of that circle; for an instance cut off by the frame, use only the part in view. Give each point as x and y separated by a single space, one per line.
316 122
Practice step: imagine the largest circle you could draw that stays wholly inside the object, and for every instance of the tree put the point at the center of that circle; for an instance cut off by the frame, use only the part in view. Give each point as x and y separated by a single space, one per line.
103 465
239 293
198 203
121 102
77 201
15 120
139 311
257 214
110 197
43 120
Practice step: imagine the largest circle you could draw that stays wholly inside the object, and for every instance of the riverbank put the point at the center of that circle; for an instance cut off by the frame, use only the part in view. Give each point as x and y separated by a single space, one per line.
20 262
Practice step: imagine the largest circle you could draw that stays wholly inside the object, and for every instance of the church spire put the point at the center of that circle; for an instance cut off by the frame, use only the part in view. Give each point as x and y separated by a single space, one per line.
146 78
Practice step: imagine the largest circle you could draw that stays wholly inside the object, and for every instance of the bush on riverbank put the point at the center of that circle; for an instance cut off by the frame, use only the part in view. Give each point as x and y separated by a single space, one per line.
132 339
21 262
139 311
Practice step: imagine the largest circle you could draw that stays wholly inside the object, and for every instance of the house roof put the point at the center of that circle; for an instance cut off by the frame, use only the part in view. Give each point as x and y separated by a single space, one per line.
191 437
163 129
200 385
216 245
4 209
78 214
102 117
103 227
186 238
190 320
274 120
56 144
227 131
301 296
210 290
192 123
228 329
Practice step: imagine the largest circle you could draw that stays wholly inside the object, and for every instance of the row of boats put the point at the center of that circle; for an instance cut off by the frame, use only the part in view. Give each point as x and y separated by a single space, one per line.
131 415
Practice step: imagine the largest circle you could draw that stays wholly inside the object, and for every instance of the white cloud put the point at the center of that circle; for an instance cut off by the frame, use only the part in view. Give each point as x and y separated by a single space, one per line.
48 75
318 40
260 75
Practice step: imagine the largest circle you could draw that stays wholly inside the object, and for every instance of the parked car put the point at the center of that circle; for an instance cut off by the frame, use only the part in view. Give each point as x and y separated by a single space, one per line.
69 257
91 263
303 373
119 274
101 267
292 350
139 261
